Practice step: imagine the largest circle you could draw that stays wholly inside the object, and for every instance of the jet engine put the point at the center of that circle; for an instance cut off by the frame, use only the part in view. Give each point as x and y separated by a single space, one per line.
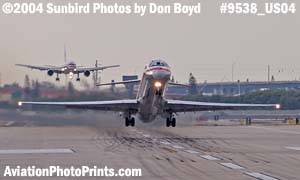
87 73
50 73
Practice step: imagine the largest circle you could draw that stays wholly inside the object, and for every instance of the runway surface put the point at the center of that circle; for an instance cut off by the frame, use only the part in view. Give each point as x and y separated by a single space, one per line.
194 152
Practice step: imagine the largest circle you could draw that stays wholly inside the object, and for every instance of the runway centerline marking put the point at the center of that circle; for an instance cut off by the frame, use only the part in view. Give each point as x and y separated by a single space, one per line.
260 176
208 157
293 148
232 166
35 151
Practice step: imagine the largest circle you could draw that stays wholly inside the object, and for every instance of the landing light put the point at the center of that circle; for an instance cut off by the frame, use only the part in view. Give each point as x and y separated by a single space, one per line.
149 72
157 84
277 106
71 75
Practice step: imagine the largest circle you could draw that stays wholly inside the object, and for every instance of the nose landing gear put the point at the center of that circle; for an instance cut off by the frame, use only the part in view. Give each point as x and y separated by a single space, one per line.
78 79
158 92
57 78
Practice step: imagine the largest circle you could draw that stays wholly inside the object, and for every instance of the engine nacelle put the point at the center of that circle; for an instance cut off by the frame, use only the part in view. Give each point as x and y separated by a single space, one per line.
50 73
87 73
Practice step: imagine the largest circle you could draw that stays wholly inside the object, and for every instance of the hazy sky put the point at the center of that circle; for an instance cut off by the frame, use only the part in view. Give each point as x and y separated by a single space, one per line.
207 44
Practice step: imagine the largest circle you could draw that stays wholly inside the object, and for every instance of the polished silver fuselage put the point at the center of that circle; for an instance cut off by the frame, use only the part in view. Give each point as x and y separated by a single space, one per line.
151 96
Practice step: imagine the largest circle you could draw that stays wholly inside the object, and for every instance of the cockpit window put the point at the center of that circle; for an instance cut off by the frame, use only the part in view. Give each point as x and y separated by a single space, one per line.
158 63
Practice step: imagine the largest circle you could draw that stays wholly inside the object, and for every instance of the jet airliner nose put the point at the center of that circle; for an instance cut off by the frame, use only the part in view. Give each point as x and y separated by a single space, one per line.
161 74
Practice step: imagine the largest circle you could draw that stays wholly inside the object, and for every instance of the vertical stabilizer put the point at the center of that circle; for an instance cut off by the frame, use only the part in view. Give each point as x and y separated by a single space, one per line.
65 53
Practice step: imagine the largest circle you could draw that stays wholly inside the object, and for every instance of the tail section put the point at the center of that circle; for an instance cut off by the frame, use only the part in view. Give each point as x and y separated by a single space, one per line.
65 53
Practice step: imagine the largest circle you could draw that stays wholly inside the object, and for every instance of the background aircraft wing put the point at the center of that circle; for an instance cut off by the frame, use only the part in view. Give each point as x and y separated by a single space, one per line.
83 69
186 106
115 105
121 82
41 68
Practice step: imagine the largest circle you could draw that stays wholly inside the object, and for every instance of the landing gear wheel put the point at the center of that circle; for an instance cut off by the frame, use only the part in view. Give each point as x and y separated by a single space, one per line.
168 122
173 122
126 122
57 79
132 122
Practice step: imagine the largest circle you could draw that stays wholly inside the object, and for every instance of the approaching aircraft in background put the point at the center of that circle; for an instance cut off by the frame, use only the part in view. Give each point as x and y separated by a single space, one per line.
70 68
150 101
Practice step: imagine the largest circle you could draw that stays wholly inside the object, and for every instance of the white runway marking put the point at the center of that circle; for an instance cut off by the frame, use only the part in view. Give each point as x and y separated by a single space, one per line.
191 151
146 135
35 151
232 166
260 176
208 157
9 123
293 148
164 142
178 147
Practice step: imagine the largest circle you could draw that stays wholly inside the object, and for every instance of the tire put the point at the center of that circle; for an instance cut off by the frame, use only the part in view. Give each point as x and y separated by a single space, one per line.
132 122
126 122
168 122
173 122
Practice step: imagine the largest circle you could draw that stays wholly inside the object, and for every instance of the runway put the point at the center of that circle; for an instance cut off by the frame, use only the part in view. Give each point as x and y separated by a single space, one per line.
194 152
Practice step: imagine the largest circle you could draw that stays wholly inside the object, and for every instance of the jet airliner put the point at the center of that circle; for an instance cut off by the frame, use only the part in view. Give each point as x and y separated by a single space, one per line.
150 102
69 68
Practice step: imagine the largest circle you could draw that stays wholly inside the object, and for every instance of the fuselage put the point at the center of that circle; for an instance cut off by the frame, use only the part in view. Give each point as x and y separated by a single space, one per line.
151 90
69 68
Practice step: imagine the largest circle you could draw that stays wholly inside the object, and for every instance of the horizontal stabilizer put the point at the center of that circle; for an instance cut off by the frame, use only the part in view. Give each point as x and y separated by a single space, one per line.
178 84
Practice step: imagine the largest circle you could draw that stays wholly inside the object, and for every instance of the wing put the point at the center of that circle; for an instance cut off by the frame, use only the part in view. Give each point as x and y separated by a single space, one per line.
121 82
186 106
83 69
41 68
117 105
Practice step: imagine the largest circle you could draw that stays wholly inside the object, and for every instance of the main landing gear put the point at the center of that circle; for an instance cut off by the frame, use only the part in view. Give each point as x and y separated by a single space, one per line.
171 121
129 121
158 92
57 77
78 79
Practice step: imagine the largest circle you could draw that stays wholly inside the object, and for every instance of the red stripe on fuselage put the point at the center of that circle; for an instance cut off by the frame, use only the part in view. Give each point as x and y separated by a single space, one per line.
157 68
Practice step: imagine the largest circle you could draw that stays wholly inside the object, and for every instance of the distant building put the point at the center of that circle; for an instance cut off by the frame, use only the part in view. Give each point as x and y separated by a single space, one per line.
233 88
10 94
53 93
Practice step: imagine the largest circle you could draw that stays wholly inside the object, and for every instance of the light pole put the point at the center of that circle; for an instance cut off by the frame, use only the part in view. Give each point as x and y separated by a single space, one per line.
232 71
239 87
